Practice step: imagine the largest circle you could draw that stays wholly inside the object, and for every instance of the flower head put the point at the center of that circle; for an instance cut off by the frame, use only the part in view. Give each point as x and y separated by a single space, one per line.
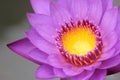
72 39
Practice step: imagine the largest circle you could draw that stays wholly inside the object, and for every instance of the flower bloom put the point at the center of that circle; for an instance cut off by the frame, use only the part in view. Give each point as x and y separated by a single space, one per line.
72 39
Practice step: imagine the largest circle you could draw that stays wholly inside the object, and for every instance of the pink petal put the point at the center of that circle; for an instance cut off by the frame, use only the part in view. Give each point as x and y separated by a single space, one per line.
41 6
110 62
79 9
99 74
60 15
95 10
40 43
23 47
109 21
113 70
85 75
43 25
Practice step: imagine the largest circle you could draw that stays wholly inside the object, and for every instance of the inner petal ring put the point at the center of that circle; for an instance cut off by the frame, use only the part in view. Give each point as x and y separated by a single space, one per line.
80 44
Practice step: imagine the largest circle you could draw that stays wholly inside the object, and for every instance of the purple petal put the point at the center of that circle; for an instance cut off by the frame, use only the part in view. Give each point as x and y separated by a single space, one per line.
95 10
107 4
72 70
65 79
93 66
45 79
113 70
64 3
43 25
109 21
118 23
60 14
40 43
117 47
38 55
108 54
23 47
57 61
99 74
59 73
108 44
110 62
41 6
45 71
79 9
85 75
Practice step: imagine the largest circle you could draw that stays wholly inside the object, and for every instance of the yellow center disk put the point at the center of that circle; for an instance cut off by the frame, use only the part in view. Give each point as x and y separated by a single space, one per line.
79 41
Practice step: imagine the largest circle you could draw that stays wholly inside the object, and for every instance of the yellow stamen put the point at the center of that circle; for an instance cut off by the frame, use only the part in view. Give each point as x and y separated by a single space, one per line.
79 41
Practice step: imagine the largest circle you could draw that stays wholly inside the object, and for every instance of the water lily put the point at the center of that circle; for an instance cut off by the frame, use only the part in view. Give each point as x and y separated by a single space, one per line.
72 39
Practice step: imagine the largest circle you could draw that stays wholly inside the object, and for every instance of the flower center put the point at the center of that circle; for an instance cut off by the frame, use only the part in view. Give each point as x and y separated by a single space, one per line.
80 43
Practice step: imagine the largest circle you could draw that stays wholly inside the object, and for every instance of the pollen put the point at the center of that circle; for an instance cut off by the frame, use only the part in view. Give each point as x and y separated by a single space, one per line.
79 41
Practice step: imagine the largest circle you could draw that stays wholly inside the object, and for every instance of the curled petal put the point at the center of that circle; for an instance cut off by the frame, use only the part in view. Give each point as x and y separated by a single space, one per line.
44 25
40 43
23 47
99 74
41 6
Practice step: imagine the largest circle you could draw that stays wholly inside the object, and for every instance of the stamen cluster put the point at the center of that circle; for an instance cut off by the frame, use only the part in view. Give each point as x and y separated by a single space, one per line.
88 58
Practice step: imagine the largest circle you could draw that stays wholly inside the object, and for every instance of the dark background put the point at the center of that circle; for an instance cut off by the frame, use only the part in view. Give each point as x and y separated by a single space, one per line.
13 24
